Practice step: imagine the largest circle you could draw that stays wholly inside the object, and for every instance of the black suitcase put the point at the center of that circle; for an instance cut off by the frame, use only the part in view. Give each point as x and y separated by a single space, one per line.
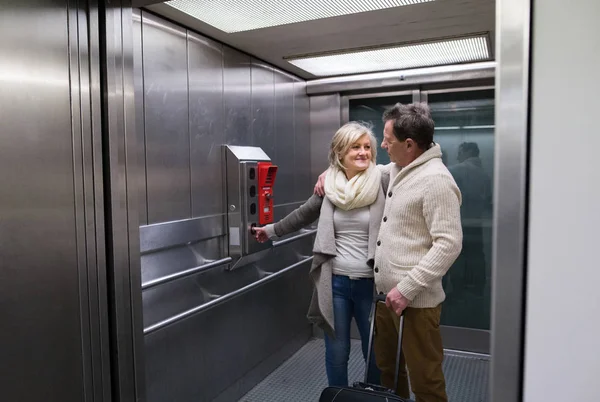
363 391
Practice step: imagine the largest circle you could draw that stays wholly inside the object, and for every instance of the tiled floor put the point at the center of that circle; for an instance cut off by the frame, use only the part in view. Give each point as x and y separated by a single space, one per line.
302 377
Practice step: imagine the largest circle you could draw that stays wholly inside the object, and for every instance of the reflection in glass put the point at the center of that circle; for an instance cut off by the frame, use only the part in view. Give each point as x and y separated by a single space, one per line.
370 111
465 131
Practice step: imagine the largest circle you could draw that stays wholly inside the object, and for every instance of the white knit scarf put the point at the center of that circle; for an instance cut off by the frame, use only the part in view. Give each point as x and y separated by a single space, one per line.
358 192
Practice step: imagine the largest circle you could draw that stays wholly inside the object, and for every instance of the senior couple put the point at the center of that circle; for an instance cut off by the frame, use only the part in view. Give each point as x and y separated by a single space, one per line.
394 229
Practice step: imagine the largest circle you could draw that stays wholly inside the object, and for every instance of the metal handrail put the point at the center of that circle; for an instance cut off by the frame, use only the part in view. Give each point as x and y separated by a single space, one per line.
187 272
222 299
294 238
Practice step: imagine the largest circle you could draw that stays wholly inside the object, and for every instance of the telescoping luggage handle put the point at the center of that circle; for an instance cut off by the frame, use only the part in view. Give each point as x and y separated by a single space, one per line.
377 299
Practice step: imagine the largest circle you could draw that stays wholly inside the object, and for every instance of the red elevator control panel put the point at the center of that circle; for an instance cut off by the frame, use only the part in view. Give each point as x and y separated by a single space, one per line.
266 181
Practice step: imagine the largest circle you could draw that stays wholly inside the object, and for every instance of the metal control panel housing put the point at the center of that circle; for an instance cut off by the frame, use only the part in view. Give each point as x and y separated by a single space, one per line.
242 191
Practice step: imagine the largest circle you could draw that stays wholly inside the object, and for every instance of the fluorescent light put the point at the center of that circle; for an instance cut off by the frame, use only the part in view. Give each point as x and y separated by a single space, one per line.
245 15
465 127
479 127
450 51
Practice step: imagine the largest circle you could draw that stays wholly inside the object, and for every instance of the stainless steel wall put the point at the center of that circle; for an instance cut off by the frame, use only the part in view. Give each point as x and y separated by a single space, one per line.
54 337
194 95
325 120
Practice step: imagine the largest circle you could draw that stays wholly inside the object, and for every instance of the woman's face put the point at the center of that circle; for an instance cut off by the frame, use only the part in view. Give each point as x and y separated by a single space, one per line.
358 157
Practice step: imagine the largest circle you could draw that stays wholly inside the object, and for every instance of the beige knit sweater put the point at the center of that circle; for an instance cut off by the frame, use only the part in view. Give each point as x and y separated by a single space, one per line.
420 235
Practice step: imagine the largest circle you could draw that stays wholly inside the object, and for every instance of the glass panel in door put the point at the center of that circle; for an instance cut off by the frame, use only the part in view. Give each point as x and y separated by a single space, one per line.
370 110
465 130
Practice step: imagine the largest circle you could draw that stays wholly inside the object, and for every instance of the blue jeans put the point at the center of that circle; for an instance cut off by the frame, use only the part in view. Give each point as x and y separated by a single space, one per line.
351 298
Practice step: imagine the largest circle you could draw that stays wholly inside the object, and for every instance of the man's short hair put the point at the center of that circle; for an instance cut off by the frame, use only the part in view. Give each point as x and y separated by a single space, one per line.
469 148
411 121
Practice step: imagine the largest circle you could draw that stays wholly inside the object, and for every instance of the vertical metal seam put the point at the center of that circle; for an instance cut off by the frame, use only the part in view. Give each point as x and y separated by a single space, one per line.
93 298
225 203
526 195
251 128
92 244
79 209
131 212
189 125
85 211
142 12
98 180
294 130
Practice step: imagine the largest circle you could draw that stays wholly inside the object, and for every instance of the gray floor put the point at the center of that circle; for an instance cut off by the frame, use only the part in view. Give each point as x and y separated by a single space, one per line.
302 377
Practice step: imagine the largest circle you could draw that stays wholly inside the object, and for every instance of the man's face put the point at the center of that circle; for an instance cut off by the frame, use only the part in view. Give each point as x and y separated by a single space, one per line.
400 152
462 156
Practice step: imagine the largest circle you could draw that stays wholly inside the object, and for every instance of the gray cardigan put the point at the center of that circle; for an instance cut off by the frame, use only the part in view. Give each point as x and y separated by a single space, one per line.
321 306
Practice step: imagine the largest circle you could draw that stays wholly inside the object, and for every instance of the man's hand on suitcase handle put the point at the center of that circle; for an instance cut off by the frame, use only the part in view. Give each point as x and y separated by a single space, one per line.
396 301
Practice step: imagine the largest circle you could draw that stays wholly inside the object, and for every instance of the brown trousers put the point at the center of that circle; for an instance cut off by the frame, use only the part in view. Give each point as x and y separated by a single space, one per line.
422 352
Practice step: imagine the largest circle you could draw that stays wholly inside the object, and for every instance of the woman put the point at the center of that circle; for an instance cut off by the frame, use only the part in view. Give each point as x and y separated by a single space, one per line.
344 249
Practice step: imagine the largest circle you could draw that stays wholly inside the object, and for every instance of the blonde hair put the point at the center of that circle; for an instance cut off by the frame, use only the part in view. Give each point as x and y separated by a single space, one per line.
343 140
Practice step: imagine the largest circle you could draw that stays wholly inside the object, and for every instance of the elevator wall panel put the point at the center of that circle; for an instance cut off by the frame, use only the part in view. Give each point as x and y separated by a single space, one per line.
302 182
209 94
325 119
166 120
263 106
138 77
49 252
237 97
202 357
205 67
284 142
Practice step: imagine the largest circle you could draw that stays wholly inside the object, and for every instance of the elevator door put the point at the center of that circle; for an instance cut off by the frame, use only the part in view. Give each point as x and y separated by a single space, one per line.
464 121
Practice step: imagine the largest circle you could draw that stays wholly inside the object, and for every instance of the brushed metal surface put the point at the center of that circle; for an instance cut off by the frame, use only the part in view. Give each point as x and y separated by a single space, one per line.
89 207
172 260
302 234
258 373
182 274
403 78
98 282
214 300
325 119
166 120
510 199
237 98
467 340
227 341
242 175
263 106
251 153
121 174
303 185
169 234
284 138
79 115
51 225
232 100
206 124
140 128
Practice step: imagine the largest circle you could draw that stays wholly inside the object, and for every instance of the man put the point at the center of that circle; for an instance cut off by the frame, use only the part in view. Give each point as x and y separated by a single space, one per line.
468 273
419 239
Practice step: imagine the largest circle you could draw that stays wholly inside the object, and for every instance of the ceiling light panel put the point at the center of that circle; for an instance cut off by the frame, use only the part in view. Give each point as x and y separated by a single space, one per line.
244 15
453 51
